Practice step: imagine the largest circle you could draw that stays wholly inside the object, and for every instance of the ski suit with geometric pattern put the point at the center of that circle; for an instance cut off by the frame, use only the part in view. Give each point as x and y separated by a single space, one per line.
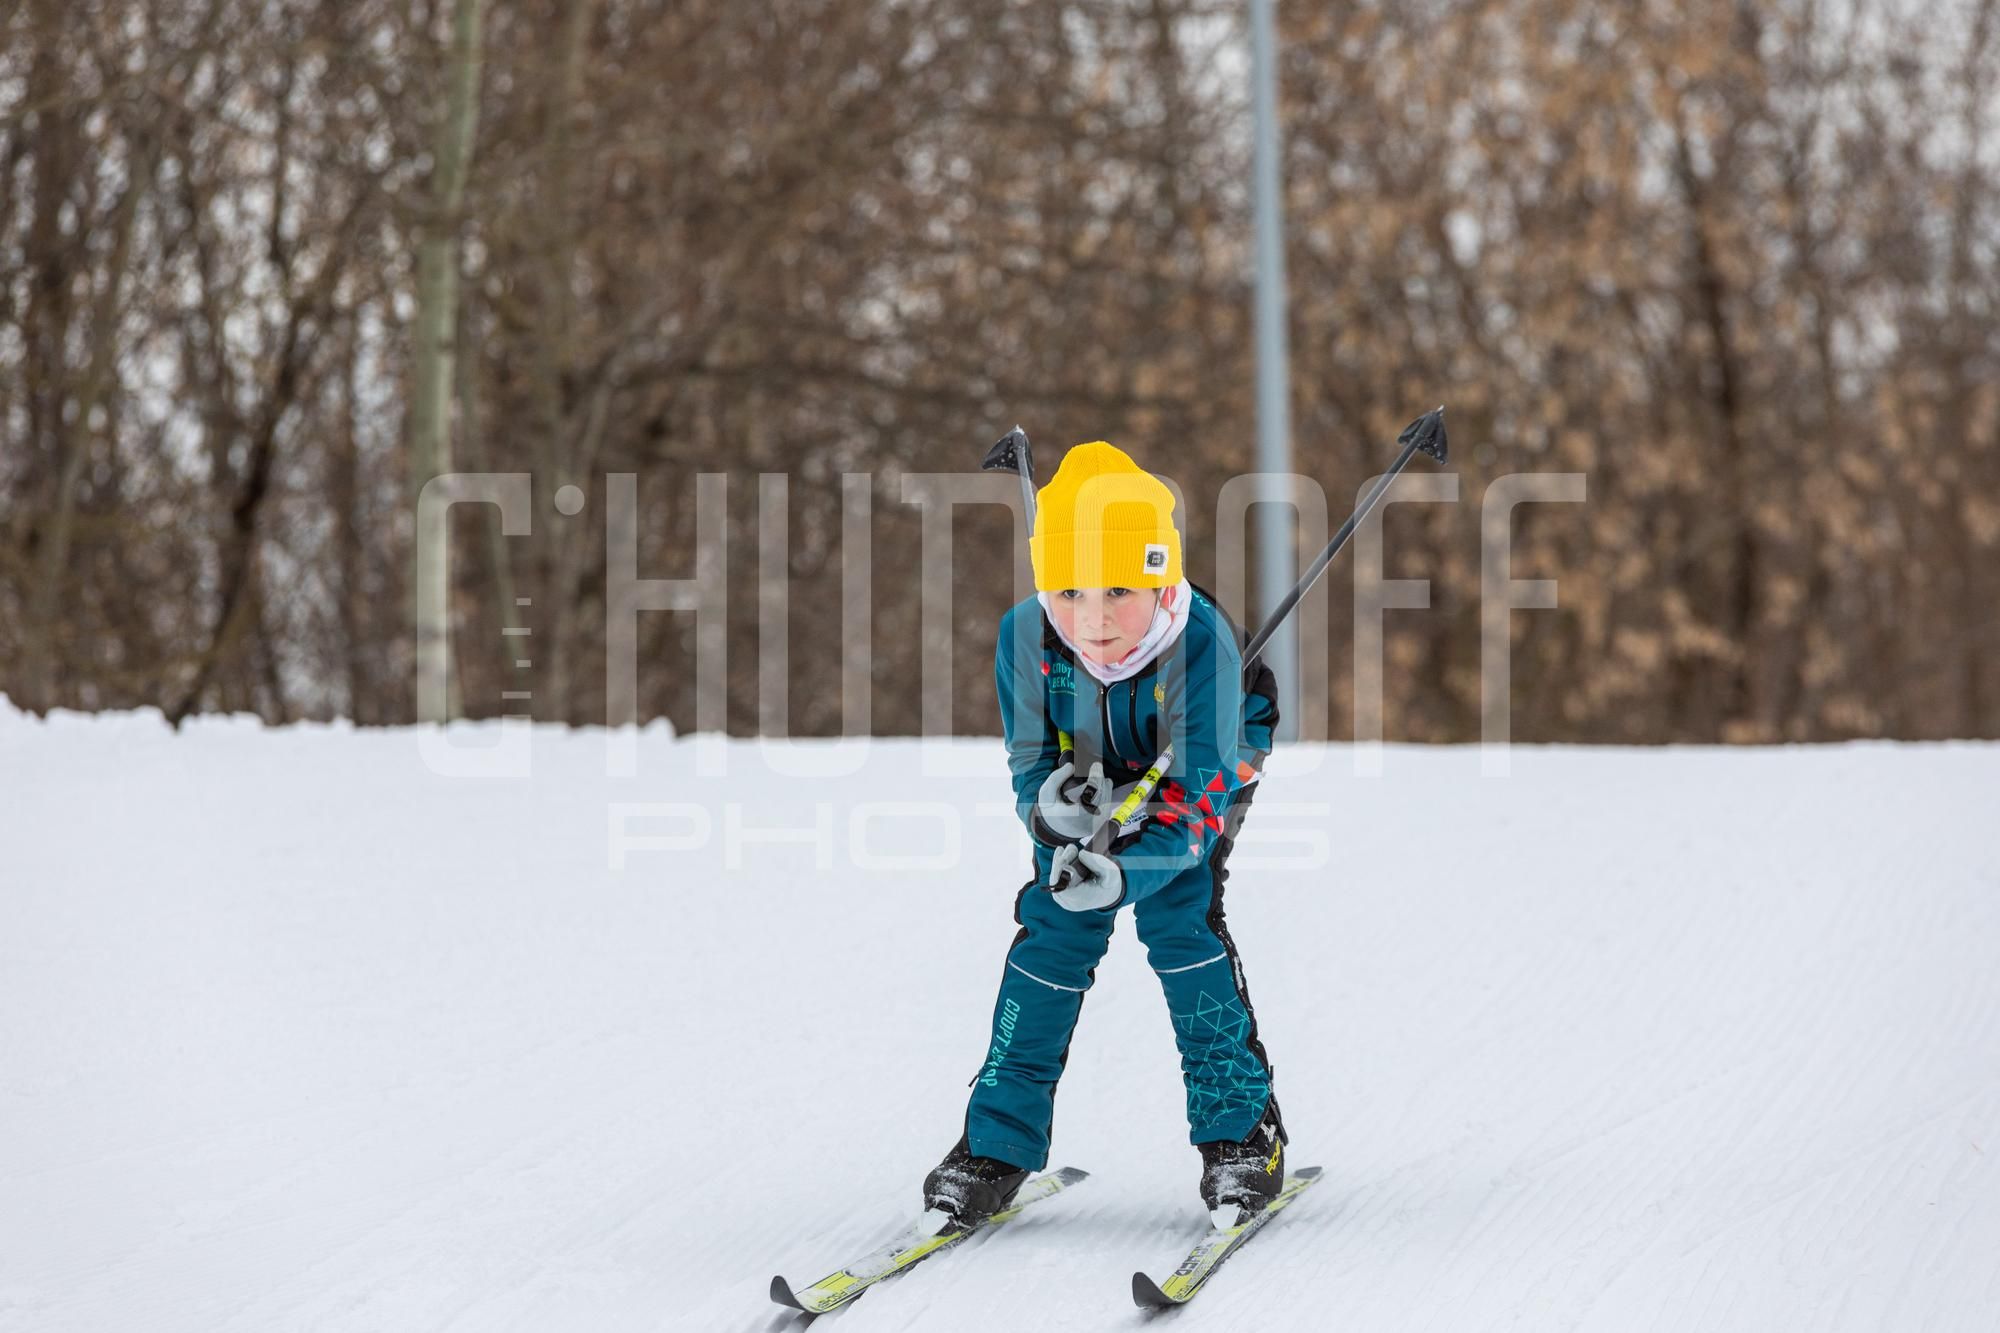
1194 697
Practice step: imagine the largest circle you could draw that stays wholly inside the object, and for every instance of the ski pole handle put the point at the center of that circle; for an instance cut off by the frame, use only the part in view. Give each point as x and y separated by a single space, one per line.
1063 868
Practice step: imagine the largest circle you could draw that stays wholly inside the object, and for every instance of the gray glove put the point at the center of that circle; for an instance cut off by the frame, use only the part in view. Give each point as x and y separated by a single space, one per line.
1085 881
1066 810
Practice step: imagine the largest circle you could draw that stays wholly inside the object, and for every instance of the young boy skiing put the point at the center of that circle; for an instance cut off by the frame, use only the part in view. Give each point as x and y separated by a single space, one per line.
1116 659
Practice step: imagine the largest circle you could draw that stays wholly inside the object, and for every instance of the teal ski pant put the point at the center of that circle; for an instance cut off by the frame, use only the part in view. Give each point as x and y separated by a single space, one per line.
1050 966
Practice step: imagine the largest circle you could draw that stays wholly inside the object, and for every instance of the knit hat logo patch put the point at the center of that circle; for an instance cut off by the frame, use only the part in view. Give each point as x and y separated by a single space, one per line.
1156 558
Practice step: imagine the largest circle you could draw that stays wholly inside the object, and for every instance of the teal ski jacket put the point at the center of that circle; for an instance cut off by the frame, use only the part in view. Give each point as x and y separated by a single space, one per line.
1194 697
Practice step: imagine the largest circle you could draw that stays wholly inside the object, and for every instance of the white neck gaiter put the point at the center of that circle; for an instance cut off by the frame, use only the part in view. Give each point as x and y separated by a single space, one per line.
1170 617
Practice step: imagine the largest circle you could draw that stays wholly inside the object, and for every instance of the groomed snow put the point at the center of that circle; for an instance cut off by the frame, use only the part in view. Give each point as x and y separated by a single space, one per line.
297 1035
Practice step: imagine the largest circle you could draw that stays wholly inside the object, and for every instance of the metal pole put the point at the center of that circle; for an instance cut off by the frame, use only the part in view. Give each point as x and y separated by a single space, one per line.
1275 554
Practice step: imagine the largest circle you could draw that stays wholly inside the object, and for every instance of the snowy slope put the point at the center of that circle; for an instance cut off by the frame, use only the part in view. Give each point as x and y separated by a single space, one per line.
295 1034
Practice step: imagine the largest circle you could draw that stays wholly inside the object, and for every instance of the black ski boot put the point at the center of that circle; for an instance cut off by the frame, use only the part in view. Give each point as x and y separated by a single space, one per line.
971 1189
1240 1178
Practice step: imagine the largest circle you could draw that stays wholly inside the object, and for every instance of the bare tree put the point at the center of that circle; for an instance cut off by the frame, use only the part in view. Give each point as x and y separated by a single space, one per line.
434 333
1733 260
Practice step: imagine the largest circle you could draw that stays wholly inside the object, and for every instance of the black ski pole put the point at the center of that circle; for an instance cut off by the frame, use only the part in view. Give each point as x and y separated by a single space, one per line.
1425 435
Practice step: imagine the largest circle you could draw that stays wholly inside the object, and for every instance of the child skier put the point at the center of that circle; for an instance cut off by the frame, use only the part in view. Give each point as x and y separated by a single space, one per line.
1116 659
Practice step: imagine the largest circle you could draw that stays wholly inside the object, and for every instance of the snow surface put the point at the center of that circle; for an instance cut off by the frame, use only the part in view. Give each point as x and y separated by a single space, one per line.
296 1034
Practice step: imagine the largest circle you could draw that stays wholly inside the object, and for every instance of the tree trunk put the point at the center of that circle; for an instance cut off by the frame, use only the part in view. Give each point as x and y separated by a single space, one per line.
53 553
431 376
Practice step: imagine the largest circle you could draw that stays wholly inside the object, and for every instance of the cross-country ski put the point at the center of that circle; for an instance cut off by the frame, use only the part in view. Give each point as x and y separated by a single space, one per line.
924 1239
1210 1252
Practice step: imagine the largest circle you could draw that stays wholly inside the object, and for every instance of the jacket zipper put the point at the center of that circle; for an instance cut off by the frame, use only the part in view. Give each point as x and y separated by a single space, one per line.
1104 708
1132 711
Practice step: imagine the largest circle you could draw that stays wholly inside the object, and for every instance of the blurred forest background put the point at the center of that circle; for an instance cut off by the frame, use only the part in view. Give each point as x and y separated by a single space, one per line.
1735 260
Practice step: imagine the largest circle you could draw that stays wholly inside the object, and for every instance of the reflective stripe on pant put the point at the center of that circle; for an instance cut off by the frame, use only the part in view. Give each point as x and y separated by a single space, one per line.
1050 965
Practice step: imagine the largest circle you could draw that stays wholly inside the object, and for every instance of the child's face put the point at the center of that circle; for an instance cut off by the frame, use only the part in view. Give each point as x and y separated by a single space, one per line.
1105 623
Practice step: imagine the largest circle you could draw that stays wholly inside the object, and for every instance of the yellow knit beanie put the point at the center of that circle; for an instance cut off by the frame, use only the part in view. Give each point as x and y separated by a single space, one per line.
1104 522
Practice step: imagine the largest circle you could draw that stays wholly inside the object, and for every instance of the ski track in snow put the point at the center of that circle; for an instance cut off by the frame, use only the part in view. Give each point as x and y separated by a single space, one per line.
295 1034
